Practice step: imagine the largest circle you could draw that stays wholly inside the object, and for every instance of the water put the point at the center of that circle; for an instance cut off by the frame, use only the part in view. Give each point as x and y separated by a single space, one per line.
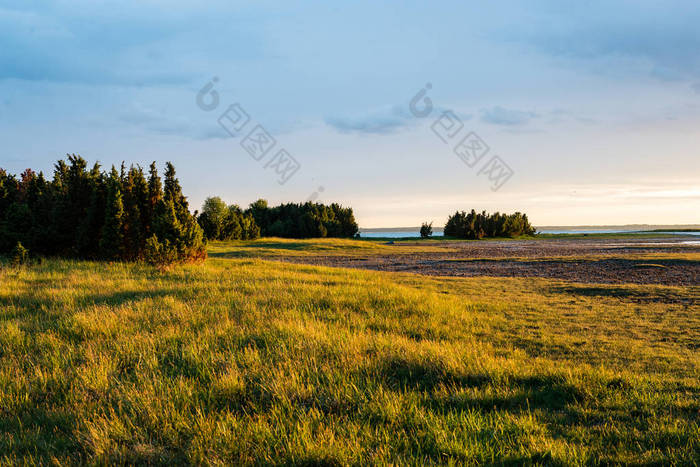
393 234
585 231
682 233
416 233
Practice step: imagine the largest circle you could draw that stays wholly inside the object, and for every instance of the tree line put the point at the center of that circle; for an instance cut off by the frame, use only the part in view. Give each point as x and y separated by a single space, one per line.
477 225
94 214
127 214
290 220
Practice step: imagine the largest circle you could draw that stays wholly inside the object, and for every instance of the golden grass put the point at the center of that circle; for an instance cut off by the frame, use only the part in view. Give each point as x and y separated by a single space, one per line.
271 247
252 361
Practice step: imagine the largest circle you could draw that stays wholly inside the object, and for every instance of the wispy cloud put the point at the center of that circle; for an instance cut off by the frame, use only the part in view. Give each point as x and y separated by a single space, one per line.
378 122
654 38
507 117
382 121
162 122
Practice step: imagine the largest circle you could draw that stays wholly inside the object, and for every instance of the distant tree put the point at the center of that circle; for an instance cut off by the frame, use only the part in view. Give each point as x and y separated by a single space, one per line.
456 225
308 220
233 228
476 226
426 230
213 218
249 229
221 222
259 211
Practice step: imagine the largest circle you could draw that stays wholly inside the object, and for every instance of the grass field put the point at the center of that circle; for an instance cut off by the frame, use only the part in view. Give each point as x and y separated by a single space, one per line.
246 360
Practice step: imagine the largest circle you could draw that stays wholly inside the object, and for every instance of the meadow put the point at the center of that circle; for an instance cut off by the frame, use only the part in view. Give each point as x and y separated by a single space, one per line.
244 359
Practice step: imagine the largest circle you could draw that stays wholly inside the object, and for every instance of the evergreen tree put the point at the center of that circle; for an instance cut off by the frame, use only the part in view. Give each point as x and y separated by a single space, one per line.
90 227
85 213
133 186
112 238
155 193
175 228
233 226
259 211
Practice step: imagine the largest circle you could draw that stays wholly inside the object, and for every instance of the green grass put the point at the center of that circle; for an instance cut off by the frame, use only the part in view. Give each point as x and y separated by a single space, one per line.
244 360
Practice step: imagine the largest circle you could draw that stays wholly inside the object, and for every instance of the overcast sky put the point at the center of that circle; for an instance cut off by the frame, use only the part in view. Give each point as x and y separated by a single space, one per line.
593 105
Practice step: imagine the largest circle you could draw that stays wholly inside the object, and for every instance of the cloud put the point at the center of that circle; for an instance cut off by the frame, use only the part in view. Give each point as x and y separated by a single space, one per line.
129 43
162 122
384 121
379 122
507 117
627 36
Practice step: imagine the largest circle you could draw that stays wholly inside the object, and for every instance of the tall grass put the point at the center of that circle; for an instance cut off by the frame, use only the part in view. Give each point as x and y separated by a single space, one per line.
250 361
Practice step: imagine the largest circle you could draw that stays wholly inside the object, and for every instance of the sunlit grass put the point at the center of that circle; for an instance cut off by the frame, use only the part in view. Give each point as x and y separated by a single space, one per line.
275 247
253 361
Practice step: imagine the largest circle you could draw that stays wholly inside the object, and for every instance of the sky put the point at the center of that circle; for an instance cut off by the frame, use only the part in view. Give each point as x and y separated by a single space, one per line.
576 113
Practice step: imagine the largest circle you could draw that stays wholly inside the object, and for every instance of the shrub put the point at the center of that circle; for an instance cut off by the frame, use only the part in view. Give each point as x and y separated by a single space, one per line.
159 254
426 230
19 255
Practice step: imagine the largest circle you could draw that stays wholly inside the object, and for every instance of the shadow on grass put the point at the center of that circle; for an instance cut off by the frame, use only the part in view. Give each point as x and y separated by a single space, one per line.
637 295
399 373
546 391
39 432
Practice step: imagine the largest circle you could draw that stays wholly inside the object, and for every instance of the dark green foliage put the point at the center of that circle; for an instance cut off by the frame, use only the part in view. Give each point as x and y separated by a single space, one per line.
426 230
213 217
135 201
159 254
90 214
112 236
221 222
476 226
308 220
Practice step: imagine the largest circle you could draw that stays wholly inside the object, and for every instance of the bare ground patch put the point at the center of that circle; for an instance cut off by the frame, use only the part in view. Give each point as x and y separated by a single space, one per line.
612 261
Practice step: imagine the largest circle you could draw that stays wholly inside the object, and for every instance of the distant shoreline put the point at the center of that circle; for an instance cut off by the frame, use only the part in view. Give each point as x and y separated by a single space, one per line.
627 227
